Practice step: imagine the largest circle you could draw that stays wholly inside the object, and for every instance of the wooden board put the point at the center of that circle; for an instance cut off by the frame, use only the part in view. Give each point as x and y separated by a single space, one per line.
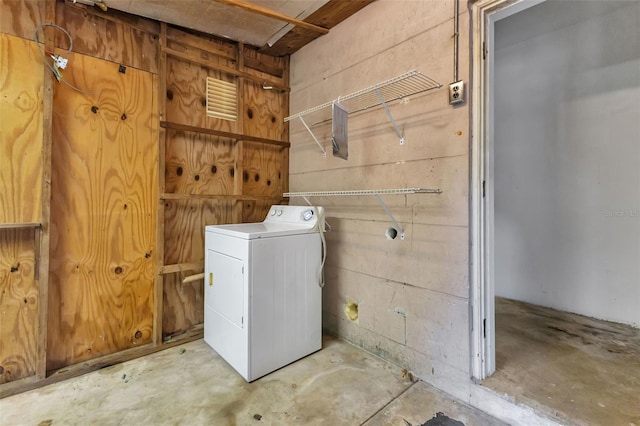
263 170
21 83
108 39
184 227
264 112
186 95
328 16
183 305
20 17
256 211
18 305
199 164
185 221
103 208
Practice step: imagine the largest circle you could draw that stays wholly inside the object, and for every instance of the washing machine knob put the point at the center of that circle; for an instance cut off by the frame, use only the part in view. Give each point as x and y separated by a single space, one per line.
279 212
273 212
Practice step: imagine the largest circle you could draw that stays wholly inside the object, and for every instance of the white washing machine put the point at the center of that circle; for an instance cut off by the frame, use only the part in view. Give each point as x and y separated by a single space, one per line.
263 289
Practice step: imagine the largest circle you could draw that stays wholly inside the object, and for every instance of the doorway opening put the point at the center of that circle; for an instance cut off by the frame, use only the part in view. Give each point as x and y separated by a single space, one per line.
555 206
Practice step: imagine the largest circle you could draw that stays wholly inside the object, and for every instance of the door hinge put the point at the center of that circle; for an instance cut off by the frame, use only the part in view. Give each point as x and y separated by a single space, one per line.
484 192
484 50
484 328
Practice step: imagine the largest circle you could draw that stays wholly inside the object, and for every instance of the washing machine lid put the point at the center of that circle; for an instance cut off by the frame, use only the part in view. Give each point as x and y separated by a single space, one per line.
250 231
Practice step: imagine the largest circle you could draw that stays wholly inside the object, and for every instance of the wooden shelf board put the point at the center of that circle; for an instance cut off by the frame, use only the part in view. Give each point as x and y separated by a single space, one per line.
20 225
213 132
198 197
180 267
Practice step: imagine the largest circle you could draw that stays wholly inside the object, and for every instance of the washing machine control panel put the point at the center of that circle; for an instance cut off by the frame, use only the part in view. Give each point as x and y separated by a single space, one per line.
294 214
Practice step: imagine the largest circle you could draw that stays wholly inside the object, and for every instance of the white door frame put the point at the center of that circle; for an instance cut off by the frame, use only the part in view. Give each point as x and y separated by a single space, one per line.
484 15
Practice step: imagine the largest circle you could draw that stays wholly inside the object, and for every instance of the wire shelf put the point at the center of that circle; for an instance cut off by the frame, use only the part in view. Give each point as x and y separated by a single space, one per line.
357 192
404 85
376 192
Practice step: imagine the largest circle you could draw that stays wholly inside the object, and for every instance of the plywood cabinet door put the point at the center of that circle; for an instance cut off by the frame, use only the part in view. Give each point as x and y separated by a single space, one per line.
103 211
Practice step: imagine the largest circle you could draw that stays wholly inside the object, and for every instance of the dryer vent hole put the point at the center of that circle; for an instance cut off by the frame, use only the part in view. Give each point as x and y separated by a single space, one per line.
351 311
391 233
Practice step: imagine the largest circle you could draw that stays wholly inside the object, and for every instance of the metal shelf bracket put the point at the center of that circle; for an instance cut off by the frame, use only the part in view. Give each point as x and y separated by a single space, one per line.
324 153
393 122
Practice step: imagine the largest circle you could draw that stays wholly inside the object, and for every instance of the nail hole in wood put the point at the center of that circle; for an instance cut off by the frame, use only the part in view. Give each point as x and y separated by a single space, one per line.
123 116
273 119
256 177
94 109
269 182
245 177
138 334
15 268
170 94
147 255
125 206
179 171
250 113
214 169
232 172
197 177
118 270
203 102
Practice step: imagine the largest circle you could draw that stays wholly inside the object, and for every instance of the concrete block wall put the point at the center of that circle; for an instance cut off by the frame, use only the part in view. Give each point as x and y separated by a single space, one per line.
413 294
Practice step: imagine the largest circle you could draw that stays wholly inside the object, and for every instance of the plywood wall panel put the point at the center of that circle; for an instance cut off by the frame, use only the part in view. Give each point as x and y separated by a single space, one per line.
271 68
199 164
18 305
203 43
103 213
20 130
183 304
256 210
20 17
107 39
264 112
184 227
263 170
186 95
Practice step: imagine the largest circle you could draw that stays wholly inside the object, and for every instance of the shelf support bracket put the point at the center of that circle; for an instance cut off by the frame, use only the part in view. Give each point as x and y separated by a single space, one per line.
393 122
393 219
324 153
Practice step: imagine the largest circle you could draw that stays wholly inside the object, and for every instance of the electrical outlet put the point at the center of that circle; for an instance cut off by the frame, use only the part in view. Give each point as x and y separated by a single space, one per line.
456 92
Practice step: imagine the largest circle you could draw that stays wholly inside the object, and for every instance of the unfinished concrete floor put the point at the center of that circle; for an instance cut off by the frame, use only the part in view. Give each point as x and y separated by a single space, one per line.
191 384
577 369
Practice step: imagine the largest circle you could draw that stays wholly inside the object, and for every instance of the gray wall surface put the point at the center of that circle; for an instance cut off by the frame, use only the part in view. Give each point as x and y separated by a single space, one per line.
567 158
412 294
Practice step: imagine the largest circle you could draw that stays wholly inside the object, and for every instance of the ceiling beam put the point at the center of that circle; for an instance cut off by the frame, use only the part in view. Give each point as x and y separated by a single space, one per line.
275 15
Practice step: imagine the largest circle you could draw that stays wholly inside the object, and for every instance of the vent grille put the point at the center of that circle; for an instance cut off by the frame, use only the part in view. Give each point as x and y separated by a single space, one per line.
222 99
